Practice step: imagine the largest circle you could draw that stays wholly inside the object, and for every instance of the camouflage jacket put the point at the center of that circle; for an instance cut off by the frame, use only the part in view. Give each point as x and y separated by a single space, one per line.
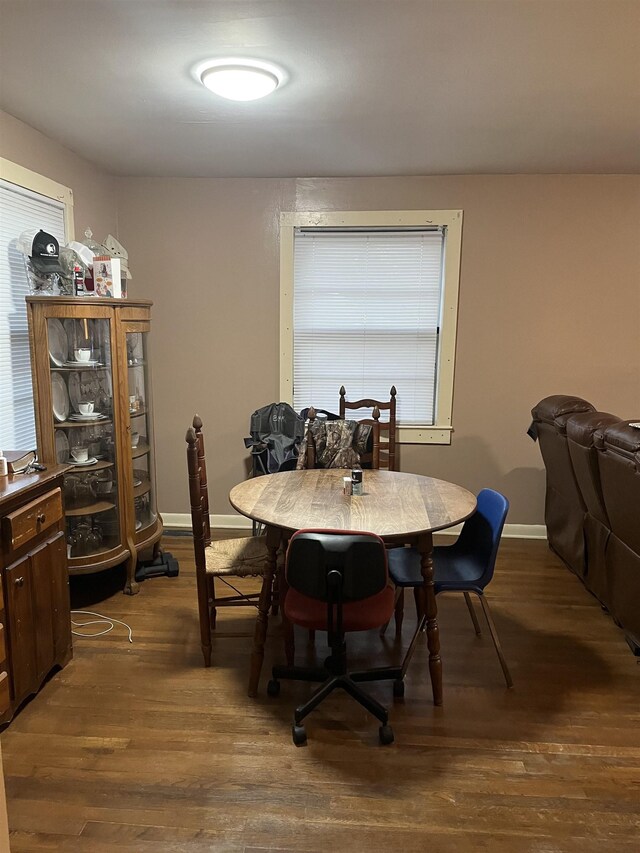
338 444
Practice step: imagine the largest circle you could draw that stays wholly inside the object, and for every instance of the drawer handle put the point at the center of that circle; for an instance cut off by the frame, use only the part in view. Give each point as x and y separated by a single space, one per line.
41 518
19 581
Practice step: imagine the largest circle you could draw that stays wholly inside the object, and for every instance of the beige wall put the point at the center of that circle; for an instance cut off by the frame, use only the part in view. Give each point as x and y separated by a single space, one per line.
549 303
94 198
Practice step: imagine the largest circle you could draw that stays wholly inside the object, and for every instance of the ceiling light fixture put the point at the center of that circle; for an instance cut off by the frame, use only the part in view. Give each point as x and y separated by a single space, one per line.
240 79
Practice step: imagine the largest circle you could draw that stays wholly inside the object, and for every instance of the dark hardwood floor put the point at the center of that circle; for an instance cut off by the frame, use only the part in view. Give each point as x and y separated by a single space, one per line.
136 748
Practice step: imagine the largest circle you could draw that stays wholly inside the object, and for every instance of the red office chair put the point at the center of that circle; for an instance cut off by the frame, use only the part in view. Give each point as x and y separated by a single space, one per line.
337 582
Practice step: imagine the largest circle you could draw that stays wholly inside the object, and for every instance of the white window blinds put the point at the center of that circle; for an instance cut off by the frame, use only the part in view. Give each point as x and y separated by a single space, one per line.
20 209
366 315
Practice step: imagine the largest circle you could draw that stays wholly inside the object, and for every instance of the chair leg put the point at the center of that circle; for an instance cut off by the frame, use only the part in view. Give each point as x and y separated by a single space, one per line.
399 613
472 613
204 615
211 593
420 629
398 608
421 602
496 641
275 595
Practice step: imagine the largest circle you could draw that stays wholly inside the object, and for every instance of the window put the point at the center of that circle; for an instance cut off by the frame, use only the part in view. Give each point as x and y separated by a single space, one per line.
369 300
27 200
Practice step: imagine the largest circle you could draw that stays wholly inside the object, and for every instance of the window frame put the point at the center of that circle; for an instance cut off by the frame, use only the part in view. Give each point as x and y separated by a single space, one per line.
28 180
451 221
25 179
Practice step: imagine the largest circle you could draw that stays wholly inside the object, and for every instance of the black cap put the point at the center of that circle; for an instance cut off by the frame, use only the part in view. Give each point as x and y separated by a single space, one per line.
45 253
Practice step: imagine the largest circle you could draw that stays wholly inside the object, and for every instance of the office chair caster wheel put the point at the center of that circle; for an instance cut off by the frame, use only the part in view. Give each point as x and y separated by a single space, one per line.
398 688
273 688
386 735
299 734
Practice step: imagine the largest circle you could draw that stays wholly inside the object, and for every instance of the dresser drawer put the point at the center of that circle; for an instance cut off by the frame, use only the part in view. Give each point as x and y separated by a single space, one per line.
26 523
5 701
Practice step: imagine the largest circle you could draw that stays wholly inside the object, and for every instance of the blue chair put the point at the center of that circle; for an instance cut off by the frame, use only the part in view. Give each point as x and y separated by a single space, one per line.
466 566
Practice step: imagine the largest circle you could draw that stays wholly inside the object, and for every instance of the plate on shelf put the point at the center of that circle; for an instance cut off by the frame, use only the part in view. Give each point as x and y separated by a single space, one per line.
58 342
59 397
138 524
62 446
94 416
139 476
80 365
72 461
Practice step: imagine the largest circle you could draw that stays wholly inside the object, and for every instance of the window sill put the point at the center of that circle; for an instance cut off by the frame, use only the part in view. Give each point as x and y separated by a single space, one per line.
416 434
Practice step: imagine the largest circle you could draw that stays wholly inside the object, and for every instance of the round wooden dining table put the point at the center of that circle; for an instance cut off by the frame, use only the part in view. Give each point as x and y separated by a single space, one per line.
401 508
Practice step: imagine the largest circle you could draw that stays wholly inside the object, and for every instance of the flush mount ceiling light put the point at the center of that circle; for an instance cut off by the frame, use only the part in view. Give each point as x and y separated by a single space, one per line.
240 79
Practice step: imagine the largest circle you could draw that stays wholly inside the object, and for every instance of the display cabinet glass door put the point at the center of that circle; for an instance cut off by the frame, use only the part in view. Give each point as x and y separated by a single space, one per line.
81 375
141 432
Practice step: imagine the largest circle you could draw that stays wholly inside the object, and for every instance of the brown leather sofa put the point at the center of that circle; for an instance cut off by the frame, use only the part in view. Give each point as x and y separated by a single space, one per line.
582 430
564 507
618 448
592 504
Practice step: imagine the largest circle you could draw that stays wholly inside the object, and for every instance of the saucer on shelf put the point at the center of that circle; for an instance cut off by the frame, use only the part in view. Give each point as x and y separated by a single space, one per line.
91 461
80 364
94 416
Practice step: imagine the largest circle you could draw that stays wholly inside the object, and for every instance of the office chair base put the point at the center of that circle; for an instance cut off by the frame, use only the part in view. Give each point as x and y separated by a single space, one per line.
385 734
299 735
331 682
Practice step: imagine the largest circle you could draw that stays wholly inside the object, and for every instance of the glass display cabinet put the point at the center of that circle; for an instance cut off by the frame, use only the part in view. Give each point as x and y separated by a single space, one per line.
92 396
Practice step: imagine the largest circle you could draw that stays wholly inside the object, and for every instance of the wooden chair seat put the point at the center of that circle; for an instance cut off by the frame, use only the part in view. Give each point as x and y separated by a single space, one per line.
239 557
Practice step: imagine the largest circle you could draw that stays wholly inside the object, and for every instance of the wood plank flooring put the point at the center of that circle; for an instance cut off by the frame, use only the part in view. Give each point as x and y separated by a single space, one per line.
136 748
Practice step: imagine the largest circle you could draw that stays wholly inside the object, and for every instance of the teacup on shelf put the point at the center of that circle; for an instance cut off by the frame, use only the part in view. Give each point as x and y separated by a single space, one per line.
135 439
82 354
86 408
80 454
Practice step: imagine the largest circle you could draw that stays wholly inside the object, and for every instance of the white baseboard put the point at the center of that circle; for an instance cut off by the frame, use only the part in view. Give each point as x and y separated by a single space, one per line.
182 521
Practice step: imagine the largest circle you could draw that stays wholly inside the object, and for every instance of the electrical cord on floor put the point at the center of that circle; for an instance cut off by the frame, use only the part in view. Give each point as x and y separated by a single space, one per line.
101 620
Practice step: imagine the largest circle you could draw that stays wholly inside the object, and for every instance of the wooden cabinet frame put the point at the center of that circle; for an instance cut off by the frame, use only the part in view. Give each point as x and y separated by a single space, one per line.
124 317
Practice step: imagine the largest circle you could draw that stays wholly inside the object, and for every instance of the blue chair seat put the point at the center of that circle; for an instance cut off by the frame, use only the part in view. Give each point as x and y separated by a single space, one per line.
452 570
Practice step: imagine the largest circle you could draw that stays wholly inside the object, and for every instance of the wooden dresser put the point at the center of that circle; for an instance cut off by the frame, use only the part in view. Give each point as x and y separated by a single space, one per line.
35 622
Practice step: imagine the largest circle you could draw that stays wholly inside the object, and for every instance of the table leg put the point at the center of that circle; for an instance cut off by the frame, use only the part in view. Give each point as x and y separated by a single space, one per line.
425 546
264 603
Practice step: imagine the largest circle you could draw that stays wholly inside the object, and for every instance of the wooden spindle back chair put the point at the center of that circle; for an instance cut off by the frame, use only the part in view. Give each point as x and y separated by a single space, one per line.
383 452
236 557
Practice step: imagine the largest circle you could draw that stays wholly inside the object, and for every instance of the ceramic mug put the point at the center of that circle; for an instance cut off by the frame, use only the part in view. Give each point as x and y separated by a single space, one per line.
80 454
135 438
86 408
82 354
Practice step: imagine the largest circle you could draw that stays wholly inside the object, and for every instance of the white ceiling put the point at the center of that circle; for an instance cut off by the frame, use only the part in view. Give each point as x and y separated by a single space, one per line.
376 87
